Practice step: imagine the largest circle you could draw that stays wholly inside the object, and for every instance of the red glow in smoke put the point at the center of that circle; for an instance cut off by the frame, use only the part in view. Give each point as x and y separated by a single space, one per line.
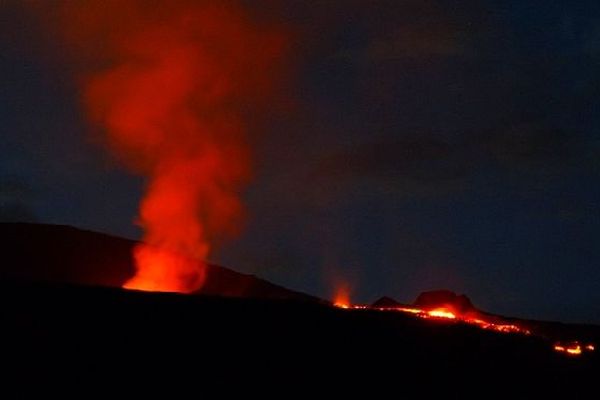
177 80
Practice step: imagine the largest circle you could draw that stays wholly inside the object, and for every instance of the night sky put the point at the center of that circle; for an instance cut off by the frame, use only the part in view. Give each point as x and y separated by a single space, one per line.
415 145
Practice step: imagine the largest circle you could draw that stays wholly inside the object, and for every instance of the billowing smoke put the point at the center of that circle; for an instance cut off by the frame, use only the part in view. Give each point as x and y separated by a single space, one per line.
176 84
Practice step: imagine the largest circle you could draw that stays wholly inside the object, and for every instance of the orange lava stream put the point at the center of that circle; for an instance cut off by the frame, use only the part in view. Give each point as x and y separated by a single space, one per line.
440 313
571 348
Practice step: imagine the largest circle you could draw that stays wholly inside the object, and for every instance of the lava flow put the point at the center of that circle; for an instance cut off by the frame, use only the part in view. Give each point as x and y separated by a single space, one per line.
444 313
573 348
471 317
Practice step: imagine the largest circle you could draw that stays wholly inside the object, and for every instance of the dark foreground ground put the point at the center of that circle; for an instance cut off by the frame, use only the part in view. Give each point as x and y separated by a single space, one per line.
59 335
76 330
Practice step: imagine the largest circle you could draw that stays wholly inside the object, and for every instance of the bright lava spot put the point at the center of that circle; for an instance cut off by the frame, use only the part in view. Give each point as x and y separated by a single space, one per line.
573 348
342 297
165 271
408 310
441 313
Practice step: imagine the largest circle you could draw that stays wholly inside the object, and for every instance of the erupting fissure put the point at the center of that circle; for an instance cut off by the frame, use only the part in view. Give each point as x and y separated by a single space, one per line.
573 348
445 313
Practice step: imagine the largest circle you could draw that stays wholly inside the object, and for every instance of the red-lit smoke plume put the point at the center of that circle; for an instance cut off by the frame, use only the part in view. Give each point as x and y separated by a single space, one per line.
176 83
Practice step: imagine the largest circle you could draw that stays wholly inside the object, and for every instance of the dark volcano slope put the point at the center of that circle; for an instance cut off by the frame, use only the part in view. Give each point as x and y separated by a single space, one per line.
65 322
62 254
105 337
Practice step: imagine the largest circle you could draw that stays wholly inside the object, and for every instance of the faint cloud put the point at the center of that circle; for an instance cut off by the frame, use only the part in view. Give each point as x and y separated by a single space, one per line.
428 164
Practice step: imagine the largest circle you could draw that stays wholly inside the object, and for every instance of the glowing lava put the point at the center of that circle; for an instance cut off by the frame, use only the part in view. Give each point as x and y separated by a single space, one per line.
573 348
164 271
441 313
342 297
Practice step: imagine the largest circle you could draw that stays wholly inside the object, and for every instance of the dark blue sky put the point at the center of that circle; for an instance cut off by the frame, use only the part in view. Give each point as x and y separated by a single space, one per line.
428 145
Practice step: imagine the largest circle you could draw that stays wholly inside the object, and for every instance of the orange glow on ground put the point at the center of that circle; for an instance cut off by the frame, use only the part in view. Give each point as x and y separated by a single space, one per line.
165 271
341 305
441 313
573 348
569 348
438 313
342 297
407 310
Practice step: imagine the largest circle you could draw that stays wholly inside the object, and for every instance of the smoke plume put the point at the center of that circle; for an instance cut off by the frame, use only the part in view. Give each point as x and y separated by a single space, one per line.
172 87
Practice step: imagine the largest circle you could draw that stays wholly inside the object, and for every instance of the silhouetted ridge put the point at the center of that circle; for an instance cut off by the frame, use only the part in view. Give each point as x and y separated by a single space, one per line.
385 302
63 254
